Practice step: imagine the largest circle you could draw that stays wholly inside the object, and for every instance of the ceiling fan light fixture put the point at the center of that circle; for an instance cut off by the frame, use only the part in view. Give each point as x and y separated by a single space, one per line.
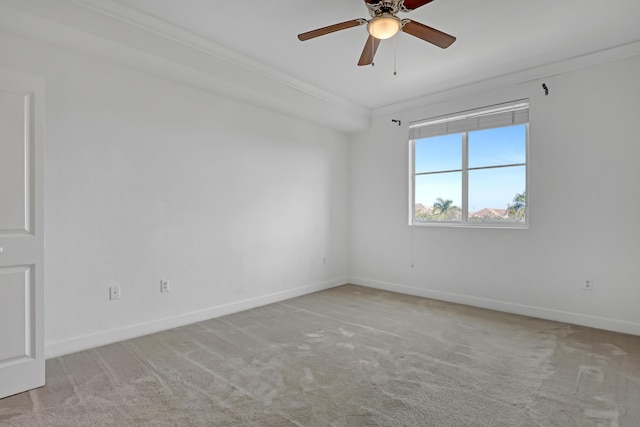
384 27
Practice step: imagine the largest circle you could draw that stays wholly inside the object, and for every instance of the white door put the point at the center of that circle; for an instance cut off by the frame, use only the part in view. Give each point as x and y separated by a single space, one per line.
21 234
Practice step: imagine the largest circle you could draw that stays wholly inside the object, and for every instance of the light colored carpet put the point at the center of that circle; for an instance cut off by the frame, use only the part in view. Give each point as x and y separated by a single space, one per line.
349 356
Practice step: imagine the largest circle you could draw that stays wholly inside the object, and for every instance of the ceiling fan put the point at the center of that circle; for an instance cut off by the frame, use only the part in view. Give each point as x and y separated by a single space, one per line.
385 24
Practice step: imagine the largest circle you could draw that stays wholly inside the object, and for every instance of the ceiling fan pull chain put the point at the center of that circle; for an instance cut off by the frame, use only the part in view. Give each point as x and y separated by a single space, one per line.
395 55
373 53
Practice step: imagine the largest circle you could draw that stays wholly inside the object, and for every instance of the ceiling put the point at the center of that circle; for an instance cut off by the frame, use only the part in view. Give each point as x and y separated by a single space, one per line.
249 49
494 38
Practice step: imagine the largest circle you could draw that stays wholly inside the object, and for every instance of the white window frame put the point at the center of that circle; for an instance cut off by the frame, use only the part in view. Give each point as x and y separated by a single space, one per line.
490 117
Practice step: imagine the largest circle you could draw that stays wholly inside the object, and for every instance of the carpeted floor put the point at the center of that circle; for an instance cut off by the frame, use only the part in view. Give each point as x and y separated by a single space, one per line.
349 356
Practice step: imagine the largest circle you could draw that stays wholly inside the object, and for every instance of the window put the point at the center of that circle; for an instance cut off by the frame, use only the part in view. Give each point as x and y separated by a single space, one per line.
470 168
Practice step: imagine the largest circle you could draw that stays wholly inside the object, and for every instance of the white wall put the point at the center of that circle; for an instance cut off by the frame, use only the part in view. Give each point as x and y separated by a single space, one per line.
147 179
584 207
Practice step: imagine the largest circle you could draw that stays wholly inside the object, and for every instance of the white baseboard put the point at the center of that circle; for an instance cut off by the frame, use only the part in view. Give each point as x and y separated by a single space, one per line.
608 324
84 342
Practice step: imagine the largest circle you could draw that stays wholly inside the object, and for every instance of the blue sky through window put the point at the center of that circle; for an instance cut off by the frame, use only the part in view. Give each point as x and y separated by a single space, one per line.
488 188
439 153
499 146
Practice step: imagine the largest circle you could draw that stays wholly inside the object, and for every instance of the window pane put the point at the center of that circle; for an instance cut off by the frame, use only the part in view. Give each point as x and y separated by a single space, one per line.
497 194
438 197
499 146
440 153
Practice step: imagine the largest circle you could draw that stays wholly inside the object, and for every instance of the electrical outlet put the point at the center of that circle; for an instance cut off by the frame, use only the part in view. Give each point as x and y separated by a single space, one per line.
588 285
114 292
164 286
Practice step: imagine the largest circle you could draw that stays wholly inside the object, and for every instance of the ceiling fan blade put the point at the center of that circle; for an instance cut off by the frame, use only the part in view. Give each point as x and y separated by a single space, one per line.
428 34
414 4
369 51
330 29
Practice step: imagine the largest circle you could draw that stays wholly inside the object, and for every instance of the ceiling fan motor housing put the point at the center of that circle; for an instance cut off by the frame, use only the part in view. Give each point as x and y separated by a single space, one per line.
391 7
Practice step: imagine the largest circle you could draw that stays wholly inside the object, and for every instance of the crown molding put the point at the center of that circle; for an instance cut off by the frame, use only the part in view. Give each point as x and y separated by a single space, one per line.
524 76
102 27
179 35
108 29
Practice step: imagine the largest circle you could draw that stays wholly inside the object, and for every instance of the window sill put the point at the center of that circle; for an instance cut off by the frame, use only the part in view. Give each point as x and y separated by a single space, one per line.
452 224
